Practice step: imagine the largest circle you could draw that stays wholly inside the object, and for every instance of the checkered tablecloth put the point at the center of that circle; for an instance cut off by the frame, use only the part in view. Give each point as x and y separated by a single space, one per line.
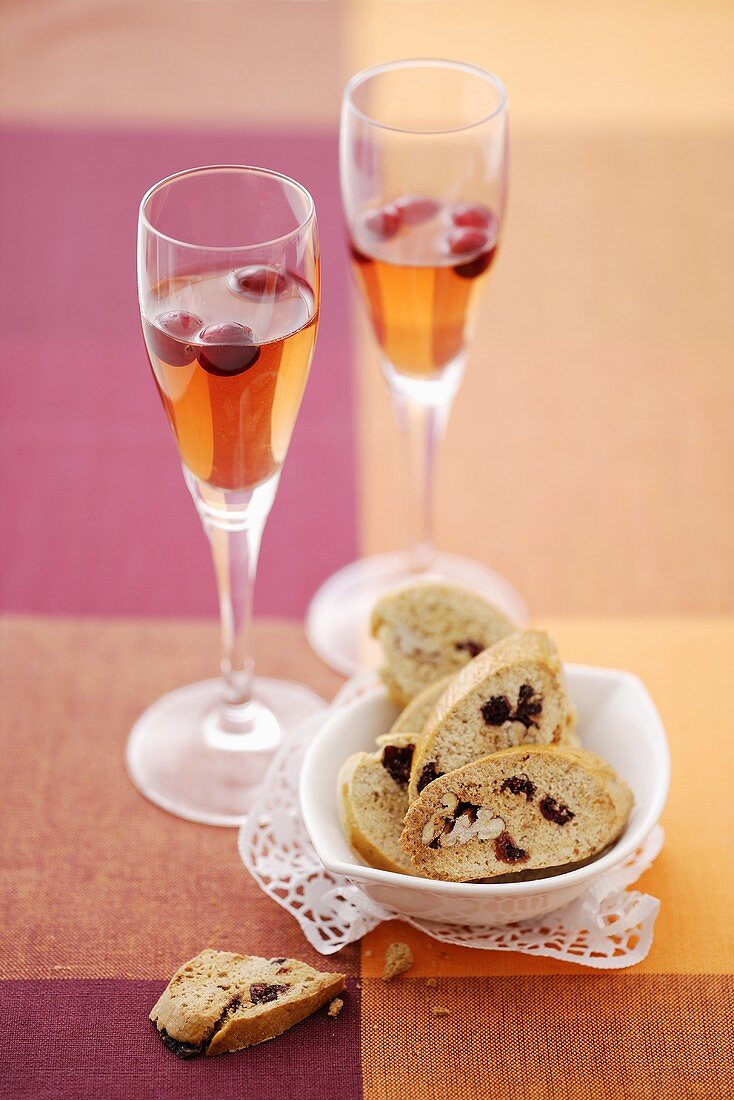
103 895
601 373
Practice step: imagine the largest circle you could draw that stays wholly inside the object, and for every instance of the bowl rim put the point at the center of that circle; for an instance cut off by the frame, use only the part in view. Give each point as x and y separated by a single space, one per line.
630 840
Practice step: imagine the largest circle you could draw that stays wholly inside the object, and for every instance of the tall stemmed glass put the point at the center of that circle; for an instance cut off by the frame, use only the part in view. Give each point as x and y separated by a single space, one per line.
423 153
228 286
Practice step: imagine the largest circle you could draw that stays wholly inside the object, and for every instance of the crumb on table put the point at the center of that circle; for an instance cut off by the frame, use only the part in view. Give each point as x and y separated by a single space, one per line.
335 1007
440 1010
398 959
431 982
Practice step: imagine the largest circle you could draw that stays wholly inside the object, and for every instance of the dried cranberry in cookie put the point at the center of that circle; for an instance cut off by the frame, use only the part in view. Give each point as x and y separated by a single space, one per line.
496 711
506 851
519 784
551 811
499 710
261 993
396 760
429 772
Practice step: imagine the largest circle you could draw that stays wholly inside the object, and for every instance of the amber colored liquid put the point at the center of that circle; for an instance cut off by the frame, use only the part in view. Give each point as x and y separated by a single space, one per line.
421 303
233 430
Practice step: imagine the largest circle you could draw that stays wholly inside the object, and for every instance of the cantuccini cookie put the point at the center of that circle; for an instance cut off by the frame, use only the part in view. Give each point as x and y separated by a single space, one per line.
513 693
373 787
221 1001
525 808
430 630
373 798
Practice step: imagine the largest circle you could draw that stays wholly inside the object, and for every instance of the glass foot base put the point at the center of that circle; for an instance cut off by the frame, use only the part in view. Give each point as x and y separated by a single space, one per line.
337 622
178 759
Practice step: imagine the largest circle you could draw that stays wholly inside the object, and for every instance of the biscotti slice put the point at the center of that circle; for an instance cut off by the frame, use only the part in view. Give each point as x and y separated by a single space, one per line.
514 693
412 719
220 1001
372 787
430 630
373 798
522 809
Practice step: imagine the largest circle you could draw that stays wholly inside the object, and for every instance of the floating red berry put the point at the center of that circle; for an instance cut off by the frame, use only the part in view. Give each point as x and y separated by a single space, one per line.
171 334
462 242
471 242
258 281
358 256
475 217
383 222
478 265
229 349
416 208
177 322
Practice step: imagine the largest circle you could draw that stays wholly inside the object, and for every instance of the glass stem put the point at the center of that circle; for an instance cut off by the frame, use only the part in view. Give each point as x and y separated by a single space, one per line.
421 409
234 522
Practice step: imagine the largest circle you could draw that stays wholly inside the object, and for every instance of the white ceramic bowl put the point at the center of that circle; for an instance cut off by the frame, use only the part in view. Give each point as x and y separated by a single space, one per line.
617 719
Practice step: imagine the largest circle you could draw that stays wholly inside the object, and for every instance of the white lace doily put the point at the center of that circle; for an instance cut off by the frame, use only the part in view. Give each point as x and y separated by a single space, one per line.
608 927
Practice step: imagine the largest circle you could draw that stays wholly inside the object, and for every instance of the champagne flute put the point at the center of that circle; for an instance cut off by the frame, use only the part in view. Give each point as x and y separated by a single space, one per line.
228 287
423 165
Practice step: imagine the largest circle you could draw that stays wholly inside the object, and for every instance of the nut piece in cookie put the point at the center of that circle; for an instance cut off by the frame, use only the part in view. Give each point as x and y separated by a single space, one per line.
398 960
220 1001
